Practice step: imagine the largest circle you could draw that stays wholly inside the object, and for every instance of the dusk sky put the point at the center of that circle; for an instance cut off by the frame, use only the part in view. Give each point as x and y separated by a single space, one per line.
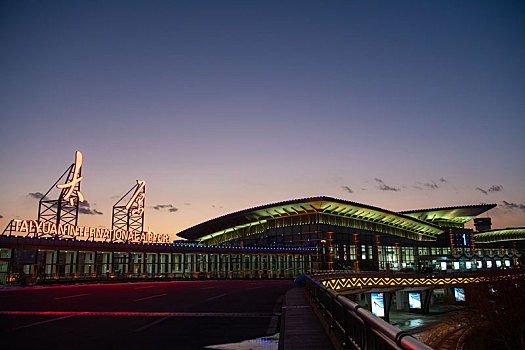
225 105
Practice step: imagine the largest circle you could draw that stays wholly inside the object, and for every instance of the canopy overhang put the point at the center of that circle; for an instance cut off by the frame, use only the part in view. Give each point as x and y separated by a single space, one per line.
498 235
453 216
314 205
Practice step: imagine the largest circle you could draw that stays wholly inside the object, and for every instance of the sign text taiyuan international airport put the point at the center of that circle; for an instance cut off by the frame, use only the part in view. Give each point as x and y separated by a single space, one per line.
39 228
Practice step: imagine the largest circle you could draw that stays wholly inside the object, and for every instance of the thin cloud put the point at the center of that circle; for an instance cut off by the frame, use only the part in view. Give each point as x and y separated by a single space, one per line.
481 190
187 203
496 188
347 189
169 207
432 186
85 208
384 187
36 195
511 206
491 189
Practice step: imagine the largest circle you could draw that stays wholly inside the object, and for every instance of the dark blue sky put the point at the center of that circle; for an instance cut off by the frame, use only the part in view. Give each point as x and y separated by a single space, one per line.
239 103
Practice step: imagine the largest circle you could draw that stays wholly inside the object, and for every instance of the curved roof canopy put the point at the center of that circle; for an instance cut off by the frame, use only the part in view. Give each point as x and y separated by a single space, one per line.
497 235
297 207
454 216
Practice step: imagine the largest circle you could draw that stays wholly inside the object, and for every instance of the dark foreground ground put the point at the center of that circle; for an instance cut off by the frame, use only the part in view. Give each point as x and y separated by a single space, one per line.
164 315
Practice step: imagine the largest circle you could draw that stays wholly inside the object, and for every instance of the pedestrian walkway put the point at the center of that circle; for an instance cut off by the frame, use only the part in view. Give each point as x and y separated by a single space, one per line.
300 327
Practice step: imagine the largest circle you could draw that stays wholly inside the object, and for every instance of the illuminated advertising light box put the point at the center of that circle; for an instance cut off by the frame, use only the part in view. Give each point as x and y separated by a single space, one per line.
378 304
479 264
459 293
443 266
498 263
489 264
456 265
468 264
507 263
414 300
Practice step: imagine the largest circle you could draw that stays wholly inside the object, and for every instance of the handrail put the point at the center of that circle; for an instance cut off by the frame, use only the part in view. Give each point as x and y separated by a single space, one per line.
359 327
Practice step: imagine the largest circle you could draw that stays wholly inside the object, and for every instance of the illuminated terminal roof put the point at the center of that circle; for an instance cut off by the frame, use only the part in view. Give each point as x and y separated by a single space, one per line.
324 208
450 216
497 235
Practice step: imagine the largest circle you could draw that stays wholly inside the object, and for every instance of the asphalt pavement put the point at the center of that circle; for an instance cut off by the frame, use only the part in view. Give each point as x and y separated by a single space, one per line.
171 315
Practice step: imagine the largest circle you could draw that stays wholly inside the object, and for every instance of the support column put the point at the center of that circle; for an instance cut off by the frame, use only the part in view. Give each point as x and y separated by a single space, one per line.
112 263
400 305
57 252
387 298
357 252
131 262
375 254
77 263
95 264
425 303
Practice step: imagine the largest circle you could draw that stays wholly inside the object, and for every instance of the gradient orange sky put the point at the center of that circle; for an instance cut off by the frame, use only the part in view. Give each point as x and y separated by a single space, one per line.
221 106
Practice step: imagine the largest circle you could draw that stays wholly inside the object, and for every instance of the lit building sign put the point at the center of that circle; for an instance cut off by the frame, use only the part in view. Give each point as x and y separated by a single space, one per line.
76 179
138 197
39 228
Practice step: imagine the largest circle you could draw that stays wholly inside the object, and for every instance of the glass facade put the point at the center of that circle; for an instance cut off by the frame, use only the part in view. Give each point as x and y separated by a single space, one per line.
53 265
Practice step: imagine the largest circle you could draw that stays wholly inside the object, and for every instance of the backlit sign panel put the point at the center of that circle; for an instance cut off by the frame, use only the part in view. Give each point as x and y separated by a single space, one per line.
443 266
459 294
378 304
498 263
489 264
414 300
468 265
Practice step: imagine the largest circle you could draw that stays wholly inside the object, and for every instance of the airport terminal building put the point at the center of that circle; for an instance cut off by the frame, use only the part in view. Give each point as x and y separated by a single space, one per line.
350 235
277 240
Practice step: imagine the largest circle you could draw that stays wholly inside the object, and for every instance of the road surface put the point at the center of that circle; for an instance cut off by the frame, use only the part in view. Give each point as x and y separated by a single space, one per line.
167 315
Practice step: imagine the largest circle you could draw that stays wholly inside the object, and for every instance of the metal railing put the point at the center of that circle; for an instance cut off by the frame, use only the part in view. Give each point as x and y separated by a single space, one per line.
355 326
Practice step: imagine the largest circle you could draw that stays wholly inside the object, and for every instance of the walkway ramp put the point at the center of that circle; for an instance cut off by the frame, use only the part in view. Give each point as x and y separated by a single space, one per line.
300 327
